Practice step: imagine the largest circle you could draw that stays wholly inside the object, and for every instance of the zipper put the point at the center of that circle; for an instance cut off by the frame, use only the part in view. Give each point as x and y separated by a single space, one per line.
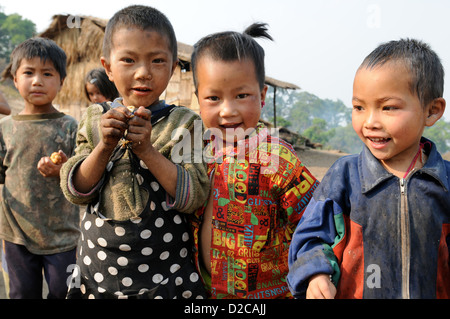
405 231
405 239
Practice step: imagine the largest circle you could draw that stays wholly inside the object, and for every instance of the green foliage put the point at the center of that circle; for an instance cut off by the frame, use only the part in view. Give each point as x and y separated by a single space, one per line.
281 122
318 131
329 122
13 30
439 133
346 140
321 121
309 107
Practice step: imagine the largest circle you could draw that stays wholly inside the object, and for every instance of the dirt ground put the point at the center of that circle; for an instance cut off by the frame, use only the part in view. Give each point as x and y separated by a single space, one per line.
318 161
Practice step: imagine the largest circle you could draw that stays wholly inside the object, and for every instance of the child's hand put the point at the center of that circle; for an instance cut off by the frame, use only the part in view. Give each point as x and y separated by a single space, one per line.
140 131
320 287
48 168
113 125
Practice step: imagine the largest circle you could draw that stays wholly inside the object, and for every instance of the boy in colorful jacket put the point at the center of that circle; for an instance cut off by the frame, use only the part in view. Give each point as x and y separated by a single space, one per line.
378 226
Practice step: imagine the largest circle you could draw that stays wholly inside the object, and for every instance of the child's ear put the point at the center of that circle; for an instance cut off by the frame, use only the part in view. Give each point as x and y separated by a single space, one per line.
174 66
435 110
263 93
107 67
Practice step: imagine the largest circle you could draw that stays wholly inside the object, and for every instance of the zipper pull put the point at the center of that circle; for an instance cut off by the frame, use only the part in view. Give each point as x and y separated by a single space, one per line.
402 185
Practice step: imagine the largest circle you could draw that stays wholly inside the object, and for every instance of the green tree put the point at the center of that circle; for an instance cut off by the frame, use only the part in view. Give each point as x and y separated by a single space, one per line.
281 122
439 133
309 106
346 140
321 121
13 30
318 131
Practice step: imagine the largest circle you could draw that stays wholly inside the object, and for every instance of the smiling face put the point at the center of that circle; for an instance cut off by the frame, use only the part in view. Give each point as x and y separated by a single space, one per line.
229 96
140 65
387 116
38 83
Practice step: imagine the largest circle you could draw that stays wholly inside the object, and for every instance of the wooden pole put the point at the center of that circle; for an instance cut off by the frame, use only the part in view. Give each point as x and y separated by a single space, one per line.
275 106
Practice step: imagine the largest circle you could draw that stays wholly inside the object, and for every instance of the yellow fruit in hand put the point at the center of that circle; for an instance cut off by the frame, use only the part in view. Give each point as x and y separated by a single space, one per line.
56 158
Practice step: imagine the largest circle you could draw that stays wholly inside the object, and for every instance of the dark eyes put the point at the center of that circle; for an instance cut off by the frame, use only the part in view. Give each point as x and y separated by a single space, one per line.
130 60
384 108
216 98
31 73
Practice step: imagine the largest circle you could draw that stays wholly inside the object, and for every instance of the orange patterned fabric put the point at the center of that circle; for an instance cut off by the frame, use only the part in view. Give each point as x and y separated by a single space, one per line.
258 199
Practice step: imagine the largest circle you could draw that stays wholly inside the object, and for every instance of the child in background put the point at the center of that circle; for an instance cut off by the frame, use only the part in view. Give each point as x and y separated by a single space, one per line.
38 226
135 238
98 87
259 189
378 226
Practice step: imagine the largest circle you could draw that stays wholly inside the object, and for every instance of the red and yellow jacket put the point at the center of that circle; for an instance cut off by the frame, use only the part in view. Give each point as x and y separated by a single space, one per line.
259 198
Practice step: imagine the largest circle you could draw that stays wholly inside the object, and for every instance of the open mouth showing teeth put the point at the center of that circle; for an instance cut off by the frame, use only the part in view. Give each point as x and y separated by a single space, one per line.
379 140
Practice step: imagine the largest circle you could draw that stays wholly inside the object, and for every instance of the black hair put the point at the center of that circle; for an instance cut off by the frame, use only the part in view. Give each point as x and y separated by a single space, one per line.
142 17
99 78
424 65
232 46
42 48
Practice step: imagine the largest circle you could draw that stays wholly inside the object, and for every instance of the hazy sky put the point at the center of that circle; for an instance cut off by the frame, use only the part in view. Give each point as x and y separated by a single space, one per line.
318 44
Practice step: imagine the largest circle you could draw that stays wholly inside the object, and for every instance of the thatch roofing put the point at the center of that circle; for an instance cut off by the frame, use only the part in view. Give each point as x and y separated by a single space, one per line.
83 46
185 52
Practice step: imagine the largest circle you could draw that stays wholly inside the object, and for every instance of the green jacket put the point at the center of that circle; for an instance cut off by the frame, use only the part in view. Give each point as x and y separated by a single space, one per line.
122 198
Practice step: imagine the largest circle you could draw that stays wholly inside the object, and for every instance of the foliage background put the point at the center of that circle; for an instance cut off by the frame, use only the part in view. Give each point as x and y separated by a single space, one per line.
328 122
13 30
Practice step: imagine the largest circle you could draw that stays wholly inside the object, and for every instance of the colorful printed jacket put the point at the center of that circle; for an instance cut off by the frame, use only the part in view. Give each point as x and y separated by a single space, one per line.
377 235
258 201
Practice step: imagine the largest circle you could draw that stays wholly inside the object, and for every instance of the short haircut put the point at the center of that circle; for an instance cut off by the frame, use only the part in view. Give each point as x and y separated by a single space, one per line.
144 18
424 65
231 46
99 78
42 48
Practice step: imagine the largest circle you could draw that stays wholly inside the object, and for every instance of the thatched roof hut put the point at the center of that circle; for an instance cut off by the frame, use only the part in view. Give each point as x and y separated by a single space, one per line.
81 38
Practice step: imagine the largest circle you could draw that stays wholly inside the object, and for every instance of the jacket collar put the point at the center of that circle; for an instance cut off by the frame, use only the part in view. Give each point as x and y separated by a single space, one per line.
215 151
372 173
435 165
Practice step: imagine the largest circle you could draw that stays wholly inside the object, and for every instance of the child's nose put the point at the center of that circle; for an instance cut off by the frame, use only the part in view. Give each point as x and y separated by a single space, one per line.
372 120
143 72
37 80
228 109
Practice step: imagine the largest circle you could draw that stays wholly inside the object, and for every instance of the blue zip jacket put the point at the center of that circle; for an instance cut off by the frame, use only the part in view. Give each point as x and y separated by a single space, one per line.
376 235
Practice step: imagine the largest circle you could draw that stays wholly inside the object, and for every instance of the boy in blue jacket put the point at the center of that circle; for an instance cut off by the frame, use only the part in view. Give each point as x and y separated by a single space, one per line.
378 226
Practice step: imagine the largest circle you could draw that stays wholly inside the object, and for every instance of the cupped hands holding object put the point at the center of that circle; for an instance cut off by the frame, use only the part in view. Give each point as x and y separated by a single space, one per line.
135 127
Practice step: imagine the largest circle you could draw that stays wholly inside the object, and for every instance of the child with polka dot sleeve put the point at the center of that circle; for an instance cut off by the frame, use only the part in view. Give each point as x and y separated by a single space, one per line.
135 240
